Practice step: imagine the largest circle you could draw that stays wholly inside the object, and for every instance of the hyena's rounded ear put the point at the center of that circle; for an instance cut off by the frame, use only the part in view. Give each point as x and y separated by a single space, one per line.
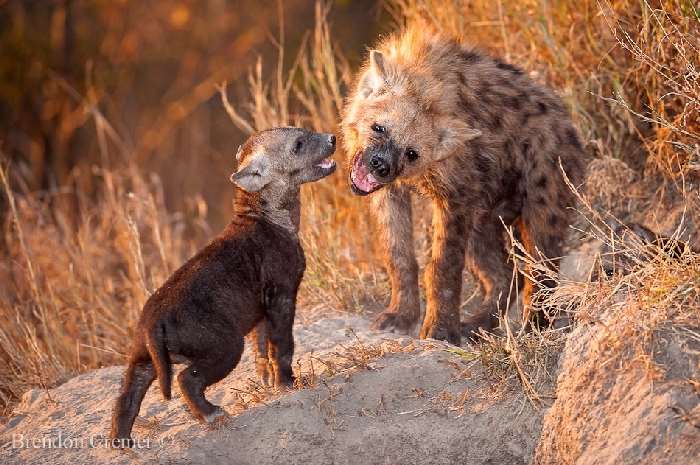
252 176
453 135
375 76
376 62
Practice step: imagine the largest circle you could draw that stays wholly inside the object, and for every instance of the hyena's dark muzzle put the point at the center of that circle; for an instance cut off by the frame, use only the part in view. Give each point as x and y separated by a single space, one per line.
374 167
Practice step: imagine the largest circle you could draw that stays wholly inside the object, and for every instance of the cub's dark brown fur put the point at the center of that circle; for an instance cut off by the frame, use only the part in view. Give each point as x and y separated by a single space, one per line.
482 140
631 245
247 276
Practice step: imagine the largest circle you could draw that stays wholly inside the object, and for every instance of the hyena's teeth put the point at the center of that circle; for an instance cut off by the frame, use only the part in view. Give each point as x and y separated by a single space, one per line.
362 178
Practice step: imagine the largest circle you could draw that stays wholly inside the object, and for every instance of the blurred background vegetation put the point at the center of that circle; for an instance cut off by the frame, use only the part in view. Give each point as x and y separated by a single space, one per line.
151 68
116 147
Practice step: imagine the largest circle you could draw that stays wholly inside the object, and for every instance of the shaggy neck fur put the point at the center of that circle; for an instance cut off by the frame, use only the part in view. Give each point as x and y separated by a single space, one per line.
282 209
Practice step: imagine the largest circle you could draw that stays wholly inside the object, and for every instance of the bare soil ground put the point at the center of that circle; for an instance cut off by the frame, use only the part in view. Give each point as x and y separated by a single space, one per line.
628 392
375 398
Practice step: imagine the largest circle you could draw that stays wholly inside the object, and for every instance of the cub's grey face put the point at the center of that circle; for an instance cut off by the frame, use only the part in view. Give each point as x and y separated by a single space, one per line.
392 131
283 158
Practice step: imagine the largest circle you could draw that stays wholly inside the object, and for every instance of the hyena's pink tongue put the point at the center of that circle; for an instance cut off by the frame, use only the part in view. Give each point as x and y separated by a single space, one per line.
361 176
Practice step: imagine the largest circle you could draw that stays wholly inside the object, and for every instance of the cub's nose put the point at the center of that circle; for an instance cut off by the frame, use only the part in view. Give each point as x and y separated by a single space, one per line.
331 139
379 166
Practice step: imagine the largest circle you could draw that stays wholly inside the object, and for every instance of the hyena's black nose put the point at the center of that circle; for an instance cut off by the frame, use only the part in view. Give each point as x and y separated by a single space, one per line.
331 139
379 166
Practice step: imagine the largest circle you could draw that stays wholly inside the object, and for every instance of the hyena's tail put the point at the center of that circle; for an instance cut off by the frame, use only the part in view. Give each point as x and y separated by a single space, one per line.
155 343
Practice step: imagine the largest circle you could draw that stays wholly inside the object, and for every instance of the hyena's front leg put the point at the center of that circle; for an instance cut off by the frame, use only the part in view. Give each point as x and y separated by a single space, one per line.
487 259
443 275
392 206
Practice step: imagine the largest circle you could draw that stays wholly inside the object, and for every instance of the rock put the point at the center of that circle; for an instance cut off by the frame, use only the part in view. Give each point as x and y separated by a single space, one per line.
614 406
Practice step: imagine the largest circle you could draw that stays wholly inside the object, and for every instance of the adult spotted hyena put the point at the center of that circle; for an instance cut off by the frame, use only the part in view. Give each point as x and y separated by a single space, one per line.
485 143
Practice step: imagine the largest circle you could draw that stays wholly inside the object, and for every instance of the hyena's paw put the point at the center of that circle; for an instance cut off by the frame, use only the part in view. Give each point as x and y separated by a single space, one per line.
394 321
441 333
471 331
472 326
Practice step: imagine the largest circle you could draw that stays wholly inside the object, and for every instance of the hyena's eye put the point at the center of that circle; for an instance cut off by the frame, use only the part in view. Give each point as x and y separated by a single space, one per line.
297 146
411 154
378 128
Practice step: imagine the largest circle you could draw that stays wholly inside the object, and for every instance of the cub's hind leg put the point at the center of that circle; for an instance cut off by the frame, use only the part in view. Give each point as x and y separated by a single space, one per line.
139 376
216 354
547 213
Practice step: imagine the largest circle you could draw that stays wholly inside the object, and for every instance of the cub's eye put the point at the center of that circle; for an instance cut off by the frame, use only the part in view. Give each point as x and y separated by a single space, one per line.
297 146
411 154
378 128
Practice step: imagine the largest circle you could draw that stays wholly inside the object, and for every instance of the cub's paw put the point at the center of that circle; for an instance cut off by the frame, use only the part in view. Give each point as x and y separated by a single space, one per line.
215 419
285 383
121 442
264 370
471 331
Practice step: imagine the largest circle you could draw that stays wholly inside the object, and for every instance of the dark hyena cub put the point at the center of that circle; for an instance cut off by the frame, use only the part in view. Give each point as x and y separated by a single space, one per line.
629 246
486 144
247 276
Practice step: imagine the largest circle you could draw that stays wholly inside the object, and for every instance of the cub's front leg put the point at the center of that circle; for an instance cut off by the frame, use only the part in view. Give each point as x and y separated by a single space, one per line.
259 337
280 310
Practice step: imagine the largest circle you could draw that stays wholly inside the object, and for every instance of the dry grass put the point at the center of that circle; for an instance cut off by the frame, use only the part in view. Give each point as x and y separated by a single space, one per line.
78 268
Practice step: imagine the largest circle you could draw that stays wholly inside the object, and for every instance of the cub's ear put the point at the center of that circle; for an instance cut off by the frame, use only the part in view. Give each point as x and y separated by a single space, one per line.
453 137
375 76
254 175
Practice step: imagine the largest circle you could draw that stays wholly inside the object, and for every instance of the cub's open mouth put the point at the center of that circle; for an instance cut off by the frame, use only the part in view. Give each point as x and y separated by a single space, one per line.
326 163
362 181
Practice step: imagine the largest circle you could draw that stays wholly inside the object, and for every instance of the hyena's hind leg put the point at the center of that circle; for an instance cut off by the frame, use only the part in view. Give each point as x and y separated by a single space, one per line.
546 215
545 249
392 206
139 376
542 229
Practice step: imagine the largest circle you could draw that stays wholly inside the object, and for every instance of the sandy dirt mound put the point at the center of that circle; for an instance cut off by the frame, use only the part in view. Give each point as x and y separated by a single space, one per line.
627 393
625 397
381 399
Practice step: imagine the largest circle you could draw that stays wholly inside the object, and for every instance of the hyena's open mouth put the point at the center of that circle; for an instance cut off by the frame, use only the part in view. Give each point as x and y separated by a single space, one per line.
362 182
